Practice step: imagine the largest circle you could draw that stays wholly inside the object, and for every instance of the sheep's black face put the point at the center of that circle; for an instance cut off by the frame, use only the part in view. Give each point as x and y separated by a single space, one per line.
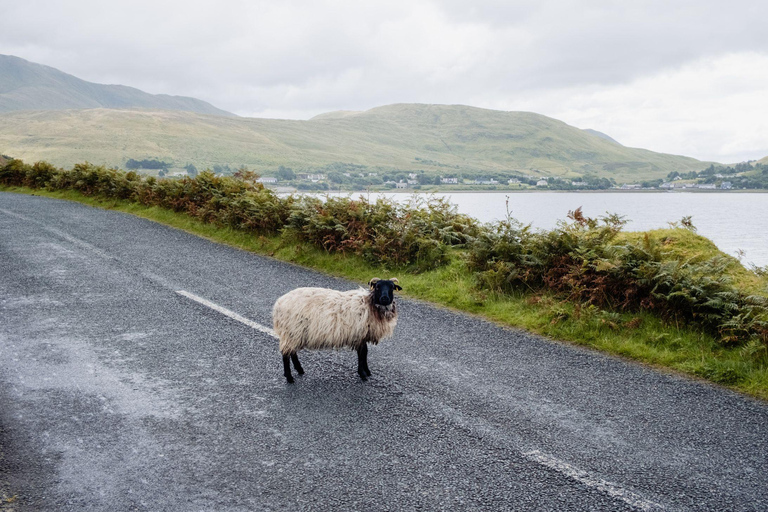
384 292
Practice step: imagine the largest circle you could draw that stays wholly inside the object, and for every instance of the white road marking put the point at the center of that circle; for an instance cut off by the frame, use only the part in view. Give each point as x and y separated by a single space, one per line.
629 497
92 249
61 234
581 476
227 312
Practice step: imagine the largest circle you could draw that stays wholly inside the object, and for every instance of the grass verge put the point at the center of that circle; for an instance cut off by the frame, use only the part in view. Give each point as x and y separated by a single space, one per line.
641 337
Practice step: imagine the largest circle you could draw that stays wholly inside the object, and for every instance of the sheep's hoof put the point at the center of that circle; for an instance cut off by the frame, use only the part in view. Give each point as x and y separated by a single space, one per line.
289 379
363 376
300 371
368 372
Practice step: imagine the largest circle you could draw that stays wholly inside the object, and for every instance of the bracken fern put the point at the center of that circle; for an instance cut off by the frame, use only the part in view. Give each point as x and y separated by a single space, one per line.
583 260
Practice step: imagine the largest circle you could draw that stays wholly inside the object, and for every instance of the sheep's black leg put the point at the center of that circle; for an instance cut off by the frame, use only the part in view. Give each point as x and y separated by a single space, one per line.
367 370
296 363
362 361
287 368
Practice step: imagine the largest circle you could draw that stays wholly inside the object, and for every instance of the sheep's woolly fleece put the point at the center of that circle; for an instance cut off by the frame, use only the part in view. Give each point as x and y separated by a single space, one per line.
319 318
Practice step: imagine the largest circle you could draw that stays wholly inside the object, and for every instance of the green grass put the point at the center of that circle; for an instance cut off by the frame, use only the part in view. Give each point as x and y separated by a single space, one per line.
640 337
451 138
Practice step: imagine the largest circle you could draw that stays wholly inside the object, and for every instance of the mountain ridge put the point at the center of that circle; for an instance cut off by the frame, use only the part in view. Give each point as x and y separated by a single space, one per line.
26 85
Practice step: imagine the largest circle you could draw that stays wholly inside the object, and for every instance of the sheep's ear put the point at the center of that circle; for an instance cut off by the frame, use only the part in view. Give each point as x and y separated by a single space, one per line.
394 280
373 282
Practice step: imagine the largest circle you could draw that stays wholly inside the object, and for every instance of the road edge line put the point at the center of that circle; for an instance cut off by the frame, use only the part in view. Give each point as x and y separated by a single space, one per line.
226 312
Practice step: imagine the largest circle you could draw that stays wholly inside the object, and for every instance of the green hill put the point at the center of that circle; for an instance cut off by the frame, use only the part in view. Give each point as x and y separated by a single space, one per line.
25 85
601 135
446 139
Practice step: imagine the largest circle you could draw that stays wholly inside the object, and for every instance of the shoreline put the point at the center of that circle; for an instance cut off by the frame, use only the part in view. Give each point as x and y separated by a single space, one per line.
291 190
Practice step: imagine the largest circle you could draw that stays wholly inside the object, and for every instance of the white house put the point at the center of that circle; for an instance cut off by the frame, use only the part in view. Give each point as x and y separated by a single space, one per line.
449 181
542 183
266 179
401 184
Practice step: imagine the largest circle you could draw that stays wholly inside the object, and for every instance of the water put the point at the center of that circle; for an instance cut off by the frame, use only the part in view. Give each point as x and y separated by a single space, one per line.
734 221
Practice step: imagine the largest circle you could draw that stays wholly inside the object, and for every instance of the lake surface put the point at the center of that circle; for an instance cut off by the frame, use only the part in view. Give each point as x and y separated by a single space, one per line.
734 221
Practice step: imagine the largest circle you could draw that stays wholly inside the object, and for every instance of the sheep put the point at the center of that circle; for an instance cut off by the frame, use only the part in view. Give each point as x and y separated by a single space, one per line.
320 318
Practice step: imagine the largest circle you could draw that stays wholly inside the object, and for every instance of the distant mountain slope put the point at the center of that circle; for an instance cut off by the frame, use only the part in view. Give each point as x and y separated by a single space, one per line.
601 135
763 161
446 139
25 85
337 114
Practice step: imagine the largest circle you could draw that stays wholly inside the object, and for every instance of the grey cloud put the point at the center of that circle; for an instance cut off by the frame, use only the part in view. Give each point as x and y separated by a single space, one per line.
610 42
532 45
303 58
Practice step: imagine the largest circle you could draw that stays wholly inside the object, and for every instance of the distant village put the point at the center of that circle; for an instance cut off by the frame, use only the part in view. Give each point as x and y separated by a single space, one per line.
350 177
524 182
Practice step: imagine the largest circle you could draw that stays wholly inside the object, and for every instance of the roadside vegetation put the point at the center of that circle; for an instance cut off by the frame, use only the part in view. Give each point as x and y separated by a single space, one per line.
664 297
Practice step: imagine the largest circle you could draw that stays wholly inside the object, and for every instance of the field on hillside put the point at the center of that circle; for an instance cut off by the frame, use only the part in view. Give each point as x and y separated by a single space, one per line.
444 140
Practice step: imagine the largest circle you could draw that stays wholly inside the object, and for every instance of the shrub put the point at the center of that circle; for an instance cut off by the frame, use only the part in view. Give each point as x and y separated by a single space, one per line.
14 173
583 260
384 232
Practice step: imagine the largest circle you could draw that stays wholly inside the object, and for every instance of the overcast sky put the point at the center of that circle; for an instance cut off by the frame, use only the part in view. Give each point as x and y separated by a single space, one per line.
683 77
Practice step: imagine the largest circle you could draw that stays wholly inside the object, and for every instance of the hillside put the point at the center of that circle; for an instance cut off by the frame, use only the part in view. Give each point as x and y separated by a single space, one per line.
338 114
25 85
601 135
763 161
445 139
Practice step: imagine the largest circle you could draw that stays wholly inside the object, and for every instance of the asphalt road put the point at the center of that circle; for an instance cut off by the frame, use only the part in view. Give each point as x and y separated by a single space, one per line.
118 393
